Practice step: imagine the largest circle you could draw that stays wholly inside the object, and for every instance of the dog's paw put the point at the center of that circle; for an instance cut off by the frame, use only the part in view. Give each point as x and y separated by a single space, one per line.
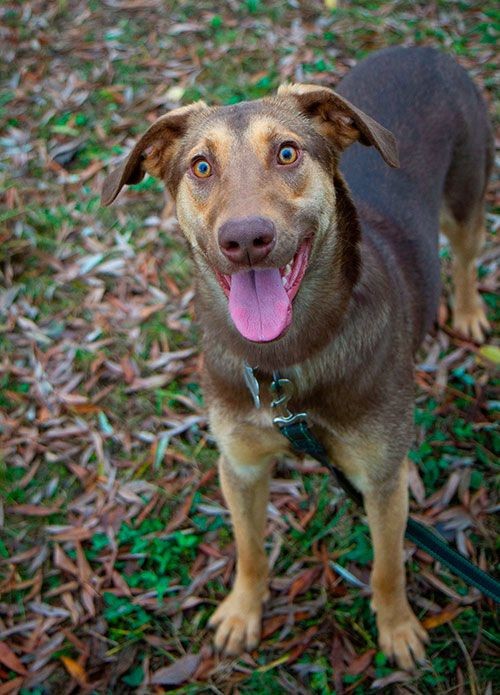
237 622
402 637
472 323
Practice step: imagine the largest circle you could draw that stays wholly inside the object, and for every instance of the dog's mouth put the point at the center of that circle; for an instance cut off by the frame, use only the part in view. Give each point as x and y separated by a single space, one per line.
260 300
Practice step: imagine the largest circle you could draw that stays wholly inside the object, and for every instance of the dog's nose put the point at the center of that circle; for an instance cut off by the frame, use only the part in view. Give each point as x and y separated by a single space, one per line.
247 239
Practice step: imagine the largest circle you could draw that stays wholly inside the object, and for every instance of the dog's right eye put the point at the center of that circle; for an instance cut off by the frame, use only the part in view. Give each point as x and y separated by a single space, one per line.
288 154
201 169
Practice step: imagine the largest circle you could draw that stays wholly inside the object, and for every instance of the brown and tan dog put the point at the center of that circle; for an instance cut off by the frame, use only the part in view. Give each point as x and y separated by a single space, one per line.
335 285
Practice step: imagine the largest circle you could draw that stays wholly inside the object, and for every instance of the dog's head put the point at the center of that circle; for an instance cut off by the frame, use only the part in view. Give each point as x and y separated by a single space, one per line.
256 188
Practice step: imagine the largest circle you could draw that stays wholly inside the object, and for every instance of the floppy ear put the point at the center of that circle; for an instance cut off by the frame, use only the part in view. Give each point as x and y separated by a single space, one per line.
338 120
152 152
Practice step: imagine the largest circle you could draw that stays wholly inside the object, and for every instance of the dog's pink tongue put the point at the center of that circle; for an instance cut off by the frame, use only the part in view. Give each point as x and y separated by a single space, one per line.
259 305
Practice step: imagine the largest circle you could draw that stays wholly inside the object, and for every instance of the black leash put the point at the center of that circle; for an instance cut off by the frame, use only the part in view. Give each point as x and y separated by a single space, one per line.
295 427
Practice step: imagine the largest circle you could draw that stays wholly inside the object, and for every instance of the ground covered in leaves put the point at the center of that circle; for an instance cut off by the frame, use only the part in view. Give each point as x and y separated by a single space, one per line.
115 543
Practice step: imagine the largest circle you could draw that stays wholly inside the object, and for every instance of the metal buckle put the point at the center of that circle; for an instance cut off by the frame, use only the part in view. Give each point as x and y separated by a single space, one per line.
284 390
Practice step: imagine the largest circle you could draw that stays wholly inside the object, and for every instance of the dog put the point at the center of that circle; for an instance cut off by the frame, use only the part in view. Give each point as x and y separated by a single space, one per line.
326 269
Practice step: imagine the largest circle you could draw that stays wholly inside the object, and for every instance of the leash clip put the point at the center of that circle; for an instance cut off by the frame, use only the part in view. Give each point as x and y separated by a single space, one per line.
283 390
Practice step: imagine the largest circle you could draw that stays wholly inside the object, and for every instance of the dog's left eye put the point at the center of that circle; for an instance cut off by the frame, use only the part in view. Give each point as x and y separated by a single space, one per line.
201 168
287 154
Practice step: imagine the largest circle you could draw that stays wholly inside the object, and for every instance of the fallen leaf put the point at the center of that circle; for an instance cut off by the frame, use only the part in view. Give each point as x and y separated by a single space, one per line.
11 686
303 644
272 624
445 616
75 670
62 561
415 483
491 353
360 663
303 582
32 510
9 659
78 533
178 672
394 677
337 662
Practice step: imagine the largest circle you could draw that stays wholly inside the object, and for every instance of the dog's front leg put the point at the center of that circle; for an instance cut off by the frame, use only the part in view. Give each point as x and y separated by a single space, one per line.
238 619
400 634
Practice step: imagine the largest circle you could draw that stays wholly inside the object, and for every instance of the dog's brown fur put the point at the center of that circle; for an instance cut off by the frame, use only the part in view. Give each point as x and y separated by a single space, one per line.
368 297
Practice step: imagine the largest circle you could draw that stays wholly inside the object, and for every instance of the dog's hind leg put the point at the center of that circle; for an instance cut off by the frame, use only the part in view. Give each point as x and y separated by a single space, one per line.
400 634
466 239
462 214
238 618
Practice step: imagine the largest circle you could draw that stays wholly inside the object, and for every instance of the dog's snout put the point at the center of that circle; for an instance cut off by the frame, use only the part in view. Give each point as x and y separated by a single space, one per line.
247 239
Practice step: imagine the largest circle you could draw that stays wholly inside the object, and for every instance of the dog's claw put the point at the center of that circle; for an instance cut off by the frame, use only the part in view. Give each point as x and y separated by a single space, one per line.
237 623
472 324
402 638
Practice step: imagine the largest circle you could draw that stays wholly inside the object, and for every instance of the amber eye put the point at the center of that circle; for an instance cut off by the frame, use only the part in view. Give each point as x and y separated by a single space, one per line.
287 154
201 168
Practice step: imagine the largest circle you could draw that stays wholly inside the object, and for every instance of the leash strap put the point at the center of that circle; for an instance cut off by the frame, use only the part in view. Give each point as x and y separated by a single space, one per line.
296 429
304 442
433 544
